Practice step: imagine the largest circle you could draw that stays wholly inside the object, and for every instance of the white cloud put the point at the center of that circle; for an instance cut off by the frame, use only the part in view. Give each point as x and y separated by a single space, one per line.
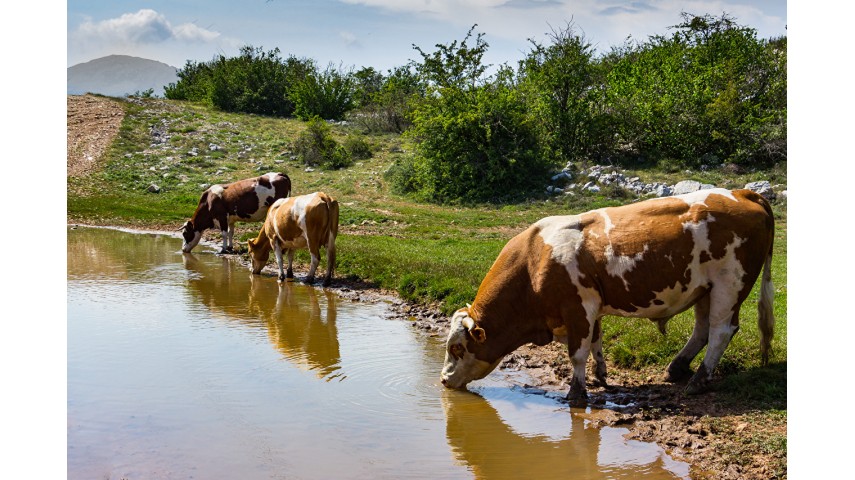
604 22
349 39
143 27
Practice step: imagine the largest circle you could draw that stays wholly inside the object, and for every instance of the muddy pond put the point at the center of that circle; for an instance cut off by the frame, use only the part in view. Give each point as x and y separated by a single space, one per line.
187 366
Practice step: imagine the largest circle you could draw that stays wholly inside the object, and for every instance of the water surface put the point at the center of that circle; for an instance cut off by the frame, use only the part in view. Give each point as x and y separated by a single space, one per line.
186 366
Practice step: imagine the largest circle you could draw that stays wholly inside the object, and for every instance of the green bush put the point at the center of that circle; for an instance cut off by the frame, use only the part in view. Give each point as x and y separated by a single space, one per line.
327 94
473 136
316 147
559 82
253 82
357 148
710 89
387 109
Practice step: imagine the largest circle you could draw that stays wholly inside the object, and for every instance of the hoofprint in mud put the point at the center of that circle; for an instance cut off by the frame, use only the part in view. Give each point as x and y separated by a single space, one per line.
652 259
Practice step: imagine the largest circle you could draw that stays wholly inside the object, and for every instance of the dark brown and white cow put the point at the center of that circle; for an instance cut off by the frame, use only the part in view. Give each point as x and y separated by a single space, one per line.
221 206
308 221
652 259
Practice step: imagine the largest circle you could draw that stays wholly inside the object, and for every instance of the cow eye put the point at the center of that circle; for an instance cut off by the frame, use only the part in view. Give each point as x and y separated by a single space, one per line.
456 350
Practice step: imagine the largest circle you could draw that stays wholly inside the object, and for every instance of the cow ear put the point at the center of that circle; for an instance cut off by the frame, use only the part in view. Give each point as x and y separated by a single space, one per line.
478 334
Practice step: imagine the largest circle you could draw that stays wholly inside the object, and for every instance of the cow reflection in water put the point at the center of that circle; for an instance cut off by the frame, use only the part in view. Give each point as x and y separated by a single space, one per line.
300 329
296 323
480 439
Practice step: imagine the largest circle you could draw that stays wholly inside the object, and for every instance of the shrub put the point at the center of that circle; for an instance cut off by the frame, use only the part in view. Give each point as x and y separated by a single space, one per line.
327 94
473 136
316 147
357 148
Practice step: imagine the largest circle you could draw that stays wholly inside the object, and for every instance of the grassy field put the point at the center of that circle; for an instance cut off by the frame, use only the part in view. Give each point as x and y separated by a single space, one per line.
427 253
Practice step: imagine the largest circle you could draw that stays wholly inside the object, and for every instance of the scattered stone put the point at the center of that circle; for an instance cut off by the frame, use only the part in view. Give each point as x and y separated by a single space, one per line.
153 188
763 188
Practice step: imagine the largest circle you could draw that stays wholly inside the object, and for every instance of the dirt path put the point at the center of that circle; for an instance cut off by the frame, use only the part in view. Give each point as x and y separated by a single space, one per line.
717 441
92 124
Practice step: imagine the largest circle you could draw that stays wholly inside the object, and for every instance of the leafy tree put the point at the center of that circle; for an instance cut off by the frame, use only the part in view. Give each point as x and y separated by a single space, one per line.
194 83
367 83
253 82
703 94
328 94
388 109
561 86
474 139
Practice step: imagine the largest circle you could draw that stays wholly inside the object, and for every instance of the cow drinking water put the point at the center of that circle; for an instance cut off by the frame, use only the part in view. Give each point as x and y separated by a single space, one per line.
308 221
652 259
221 206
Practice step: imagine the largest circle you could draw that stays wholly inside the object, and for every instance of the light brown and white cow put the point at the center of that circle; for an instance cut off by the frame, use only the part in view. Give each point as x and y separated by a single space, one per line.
308 221
651 259
221 206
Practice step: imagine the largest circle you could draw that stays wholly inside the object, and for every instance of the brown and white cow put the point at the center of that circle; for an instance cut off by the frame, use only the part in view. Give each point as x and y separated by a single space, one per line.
221 206
308 221
652 259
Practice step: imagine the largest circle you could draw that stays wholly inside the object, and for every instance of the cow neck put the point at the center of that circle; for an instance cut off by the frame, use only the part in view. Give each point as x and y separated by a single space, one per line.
506 306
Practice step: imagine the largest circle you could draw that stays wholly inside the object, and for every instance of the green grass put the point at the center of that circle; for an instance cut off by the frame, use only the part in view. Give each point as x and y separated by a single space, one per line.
427 253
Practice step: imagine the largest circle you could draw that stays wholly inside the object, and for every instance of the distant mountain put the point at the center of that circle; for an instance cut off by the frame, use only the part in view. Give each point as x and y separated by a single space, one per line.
120 75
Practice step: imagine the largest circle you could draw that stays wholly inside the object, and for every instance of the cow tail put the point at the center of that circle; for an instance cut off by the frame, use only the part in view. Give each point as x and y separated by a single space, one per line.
332 233
765 311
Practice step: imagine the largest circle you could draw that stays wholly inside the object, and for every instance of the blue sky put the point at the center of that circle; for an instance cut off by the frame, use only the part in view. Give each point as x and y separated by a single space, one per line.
377 33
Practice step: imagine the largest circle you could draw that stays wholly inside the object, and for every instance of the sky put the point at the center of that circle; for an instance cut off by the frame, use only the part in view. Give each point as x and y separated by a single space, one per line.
376 33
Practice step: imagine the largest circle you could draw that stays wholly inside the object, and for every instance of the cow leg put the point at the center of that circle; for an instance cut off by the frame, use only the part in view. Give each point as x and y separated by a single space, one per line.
724 323
578 394
679 369
231 245
225 234
277 250
597 354
290 272
315 252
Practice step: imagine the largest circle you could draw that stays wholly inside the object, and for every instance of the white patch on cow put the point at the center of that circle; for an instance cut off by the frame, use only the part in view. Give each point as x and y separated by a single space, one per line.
298 209
609 226
457 372
700 196
619 265
187 246
264 194
564 235
217 190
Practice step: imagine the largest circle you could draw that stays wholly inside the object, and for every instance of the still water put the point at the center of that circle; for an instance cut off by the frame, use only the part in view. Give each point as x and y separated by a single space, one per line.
186 366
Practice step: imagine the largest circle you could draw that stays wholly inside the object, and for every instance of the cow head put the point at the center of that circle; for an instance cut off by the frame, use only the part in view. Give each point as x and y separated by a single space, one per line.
258 253
465 340
191 236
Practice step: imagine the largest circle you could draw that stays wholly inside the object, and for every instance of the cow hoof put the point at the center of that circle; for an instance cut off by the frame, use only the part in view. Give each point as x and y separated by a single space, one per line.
577 399
697 386
678 372
289 274
309 280
281 278
327 283
699 383
600 382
